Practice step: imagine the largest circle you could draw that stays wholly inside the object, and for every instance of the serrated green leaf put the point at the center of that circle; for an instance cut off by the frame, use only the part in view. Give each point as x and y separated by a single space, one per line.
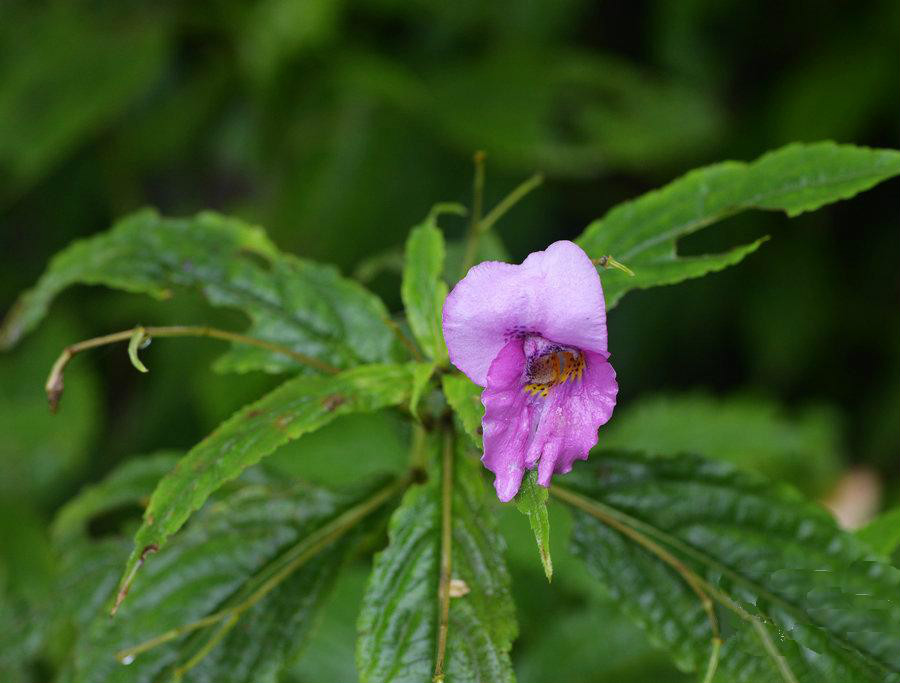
303 305
230 552
298 406
464 396
399 621
131 482
798 446
826 605
423 289
335 319
531 501
643 233
883 532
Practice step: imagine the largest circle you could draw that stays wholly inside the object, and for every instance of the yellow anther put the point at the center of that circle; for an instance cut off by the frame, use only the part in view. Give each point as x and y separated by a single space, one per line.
555 368
535 389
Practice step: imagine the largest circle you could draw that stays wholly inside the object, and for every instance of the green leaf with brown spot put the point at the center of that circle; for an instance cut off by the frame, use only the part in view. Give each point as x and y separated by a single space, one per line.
305 306
298 406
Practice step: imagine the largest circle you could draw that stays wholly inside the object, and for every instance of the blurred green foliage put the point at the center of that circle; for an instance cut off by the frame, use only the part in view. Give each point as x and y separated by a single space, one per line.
337 125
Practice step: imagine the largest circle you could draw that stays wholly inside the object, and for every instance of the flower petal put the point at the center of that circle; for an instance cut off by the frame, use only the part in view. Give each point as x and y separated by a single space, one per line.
555 293
573 412
507 420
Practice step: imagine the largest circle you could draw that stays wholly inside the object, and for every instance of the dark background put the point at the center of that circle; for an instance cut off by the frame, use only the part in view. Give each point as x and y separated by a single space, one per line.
336 125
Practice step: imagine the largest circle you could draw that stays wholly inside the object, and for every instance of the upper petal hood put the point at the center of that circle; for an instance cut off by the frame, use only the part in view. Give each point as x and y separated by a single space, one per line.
555 293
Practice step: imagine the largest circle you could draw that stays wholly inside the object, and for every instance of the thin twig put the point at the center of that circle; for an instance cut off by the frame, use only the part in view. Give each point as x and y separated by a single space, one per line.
446 555
288 563
208 647
495 215
54 386
713 662
509 201
475 217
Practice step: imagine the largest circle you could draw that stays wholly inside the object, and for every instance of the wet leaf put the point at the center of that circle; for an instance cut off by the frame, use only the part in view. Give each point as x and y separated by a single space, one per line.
299 304
423 288
399 621
299 406
643 233
821 605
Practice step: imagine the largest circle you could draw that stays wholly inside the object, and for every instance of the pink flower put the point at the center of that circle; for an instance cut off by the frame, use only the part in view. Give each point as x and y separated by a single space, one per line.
534 335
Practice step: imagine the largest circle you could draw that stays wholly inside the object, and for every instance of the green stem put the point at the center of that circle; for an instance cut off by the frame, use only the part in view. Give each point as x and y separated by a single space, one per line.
54 386
417 447
509 201
713 663
477 207
494 215
446 554
208 647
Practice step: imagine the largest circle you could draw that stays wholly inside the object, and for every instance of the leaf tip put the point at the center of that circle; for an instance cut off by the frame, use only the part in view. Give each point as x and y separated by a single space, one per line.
547 561
125 586
532 502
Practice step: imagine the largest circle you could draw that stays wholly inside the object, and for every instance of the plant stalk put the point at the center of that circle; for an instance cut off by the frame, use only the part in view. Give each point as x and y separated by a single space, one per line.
446 555
55 384
477 229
